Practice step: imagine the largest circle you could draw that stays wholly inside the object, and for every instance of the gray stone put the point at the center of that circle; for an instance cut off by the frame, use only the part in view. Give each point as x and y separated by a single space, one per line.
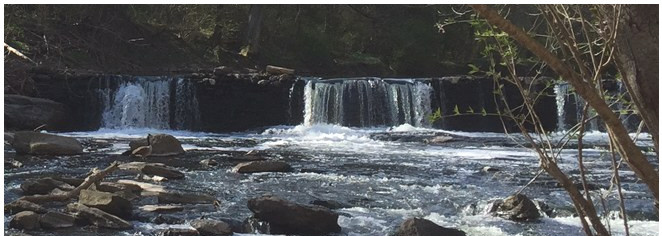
262 166
26 220
208 227
517 208
27 113
157 169
28 142
423 227
22 205
53 220
97 217
178 232
287 217
43 186
108 202
162 145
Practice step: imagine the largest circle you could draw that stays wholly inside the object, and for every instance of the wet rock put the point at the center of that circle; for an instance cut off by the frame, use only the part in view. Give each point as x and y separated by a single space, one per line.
171 197
517 208
22 205
331 204
287 217
164 219
113 187
255 225
97 217
12 164
162 208
423 227
156 169
262 166
208 227
209 162
438 139
162 145
252 155
26 220
28 142
145 187
53 220
43 186
27 113
108 202
489 169
70 180
178 232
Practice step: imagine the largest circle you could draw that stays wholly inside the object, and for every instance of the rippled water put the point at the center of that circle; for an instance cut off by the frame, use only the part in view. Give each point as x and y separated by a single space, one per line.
381 182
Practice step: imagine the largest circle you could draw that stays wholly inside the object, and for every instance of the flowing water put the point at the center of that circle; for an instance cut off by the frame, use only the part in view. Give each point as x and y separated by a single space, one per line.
383 173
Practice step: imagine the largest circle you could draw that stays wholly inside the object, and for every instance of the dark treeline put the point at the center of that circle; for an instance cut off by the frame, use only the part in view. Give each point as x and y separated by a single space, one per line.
381 40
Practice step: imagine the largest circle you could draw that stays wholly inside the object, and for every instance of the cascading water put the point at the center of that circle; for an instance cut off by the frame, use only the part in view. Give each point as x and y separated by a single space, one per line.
367 102
150 102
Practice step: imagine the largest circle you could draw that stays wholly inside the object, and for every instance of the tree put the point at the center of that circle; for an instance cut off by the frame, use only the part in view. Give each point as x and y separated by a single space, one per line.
583 82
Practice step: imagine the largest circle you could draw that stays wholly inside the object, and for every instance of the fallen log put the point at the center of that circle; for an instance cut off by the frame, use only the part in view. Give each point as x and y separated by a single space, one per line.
94 177
279 70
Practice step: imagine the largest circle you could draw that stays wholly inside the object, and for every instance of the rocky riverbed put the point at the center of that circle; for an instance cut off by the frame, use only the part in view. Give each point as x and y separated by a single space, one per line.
346 181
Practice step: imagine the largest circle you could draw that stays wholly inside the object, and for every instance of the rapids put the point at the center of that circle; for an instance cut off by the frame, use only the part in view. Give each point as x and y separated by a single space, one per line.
382 182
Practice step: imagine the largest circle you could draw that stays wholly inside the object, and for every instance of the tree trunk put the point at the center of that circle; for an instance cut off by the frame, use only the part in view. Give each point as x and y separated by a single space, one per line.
255 17
637 58
626 147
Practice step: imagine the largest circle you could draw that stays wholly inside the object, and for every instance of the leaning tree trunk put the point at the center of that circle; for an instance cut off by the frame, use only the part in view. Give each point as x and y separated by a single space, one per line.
626 147
637 58
253 30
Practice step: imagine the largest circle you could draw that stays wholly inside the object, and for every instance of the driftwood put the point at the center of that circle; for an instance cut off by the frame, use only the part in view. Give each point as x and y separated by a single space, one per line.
279 70
18 53
94 177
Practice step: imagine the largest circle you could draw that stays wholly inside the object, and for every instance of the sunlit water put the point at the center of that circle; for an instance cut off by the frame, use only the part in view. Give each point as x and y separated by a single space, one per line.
381 182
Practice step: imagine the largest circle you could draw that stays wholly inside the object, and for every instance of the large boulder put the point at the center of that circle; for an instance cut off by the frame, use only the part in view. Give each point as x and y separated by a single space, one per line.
22 205
423 227
28 142
54 220
108 202
209 227
516 207
162 145
27 220
27 113
43 186
262 166
97 217
157 169
287 217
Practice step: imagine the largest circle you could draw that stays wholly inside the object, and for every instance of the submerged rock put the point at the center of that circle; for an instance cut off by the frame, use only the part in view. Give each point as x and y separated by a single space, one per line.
97 217
108 202
287 217
438 139
209 162
28 142
43 186
517 208
423 227
331 204
26 220
178 232
53 220
208 227
162 145
262 166
156 169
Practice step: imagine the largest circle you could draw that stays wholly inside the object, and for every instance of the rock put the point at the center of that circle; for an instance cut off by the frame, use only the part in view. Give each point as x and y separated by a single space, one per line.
279 70
255 225
488 169
108 202
112 187
182 198
222 70
518 208
27 113
262 166
43 186
290 218
209 162
70 180
28 142
178 232
156 169
162 208
331 204
162 219
438 139
26 220
208 227
162 145
12 164
97 217
53 220
423 227
145 187
22 205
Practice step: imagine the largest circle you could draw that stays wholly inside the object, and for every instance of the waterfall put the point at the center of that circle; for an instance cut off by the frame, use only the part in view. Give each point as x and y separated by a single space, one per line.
561 91
367 102
149 102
